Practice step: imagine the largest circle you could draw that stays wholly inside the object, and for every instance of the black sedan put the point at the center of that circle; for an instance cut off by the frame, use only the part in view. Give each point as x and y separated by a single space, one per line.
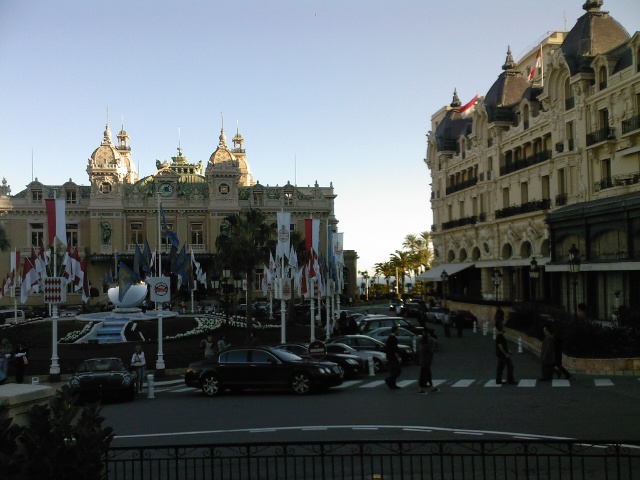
363 342
99 377
264 368
351 364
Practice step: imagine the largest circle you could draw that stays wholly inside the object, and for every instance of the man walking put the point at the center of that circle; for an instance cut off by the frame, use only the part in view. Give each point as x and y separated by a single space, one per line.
393 357
504 357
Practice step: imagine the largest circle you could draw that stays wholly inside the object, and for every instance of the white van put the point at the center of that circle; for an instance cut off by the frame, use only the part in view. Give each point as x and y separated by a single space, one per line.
10 316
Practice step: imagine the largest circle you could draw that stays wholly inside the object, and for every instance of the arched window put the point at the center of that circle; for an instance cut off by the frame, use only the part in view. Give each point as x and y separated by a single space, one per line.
569 101
525 117
602 78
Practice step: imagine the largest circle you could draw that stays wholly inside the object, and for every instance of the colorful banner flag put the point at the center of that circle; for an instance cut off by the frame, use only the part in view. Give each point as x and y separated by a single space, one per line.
56 220
284 235
312 234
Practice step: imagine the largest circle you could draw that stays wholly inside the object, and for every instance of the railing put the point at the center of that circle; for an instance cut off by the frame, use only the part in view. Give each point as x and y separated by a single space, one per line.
600 135
462 185
617 181
478 460
524 208
631 124
461 222
526 162
561 199
569 103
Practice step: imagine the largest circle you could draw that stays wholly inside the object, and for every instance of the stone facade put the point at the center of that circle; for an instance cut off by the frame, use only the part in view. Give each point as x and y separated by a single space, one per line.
505 171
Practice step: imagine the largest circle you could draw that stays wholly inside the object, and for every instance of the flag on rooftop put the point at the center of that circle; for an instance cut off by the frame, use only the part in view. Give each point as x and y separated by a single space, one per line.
468 108
56 220
537 63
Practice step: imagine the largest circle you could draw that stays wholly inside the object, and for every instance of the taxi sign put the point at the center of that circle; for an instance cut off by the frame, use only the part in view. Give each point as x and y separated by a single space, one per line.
317 350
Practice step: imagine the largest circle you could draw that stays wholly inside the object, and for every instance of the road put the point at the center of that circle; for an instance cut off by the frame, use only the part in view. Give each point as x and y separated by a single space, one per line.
469 405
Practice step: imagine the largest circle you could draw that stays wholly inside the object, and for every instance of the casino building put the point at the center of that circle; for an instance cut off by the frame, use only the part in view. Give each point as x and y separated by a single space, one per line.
118 210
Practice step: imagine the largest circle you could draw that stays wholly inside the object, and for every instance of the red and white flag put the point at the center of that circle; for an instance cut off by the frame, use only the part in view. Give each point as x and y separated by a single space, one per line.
56 220
466 109
30 277
85 281
77 270
68 266
312 234
15 260
41 263
537 63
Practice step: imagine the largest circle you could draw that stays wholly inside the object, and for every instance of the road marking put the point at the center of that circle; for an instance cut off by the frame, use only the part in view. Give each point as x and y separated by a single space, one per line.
181 390
463 383
603 382
349 383
560 383
438 382
405 383
527 382
375 383
477 434
492 383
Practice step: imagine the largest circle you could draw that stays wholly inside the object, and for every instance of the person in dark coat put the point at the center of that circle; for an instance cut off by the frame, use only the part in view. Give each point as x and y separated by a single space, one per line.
393 357
426 349
559 339
20 357
504 357
547 354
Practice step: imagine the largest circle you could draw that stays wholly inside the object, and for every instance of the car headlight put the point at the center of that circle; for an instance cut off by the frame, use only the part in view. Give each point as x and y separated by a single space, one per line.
127 379
352 361
74 382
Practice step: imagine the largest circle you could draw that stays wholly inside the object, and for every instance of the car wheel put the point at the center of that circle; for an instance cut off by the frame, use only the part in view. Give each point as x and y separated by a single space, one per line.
301 383
377 365
211 385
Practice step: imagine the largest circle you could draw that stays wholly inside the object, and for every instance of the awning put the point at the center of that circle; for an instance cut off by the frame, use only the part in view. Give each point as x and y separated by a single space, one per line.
595 267
433 275
511 262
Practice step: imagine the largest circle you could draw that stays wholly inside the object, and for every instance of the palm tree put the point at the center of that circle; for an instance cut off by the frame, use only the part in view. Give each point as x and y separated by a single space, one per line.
4 241
244 245
401 262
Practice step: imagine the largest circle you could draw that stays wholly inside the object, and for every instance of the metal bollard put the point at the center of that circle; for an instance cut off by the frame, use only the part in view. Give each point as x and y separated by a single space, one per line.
519 344
475 327
372 370
150 386
485 327
494 333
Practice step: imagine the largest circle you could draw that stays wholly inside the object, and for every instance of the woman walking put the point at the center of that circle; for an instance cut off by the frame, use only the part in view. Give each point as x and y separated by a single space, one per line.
138 362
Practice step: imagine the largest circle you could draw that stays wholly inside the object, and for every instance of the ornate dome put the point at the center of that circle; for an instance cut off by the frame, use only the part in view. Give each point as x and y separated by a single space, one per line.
223 156
452 126
594 33
506 91
106 153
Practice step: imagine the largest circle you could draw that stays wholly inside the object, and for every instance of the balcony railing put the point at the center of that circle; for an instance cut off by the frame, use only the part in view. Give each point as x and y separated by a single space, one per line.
461 222
526 162
618 181
561 199
528 207
462 185
569 103
631 124
601 135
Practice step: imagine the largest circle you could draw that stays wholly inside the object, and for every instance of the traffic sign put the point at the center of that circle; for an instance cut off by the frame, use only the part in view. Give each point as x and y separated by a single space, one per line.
317 350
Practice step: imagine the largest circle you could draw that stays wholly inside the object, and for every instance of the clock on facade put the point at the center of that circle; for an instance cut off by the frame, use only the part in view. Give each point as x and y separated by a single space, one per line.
165 189
223 189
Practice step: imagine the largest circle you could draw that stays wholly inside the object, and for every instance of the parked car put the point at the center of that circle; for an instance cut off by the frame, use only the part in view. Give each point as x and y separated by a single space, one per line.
394 304
436 314
464 316
378 358
263 368
412 309
371 323
351 364
98 377
405 337
363 342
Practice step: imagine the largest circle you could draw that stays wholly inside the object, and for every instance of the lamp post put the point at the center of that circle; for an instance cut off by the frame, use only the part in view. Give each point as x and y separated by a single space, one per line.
444 276
225 289
497 280
574 268
365 277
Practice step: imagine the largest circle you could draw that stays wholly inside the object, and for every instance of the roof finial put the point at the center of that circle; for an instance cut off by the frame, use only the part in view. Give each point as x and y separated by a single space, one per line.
223 138
456 101
509 64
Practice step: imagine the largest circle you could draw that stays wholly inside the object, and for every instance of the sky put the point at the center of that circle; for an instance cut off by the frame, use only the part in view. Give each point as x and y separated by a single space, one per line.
333 91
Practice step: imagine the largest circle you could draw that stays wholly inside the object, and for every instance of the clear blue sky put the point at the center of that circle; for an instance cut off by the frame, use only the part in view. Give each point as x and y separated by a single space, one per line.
335 90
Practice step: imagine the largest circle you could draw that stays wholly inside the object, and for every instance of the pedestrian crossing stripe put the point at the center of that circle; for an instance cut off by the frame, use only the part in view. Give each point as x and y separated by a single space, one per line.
462 383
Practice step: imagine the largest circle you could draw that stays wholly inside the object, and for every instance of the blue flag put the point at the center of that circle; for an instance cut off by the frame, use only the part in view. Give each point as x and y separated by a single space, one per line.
126 278
173 238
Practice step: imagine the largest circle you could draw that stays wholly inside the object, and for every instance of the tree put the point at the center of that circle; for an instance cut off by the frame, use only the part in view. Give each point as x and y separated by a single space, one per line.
243 245
4 241
401 262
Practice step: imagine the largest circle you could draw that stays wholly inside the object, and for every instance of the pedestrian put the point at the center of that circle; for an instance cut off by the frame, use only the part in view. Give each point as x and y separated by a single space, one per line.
504 357
559 336
222 344
459 323
138 363
253 340
209 347
426 349
447 324
498 318
547 354
6 351
393 357
20 356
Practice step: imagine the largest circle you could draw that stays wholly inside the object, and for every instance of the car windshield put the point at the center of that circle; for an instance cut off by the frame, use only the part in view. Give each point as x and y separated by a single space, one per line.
102 365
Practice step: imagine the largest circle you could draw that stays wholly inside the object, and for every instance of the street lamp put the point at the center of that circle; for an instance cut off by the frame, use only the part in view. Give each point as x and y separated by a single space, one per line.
574 268
497 280
534 273
225 289
444 276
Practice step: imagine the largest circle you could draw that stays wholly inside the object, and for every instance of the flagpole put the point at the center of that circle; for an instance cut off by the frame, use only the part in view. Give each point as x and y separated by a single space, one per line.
54 369
283 321
160 360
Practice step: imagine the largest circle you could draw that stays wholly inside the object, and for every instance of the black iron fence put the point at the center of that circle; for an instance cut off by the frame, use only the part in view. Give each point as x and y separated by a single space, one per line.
477 460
